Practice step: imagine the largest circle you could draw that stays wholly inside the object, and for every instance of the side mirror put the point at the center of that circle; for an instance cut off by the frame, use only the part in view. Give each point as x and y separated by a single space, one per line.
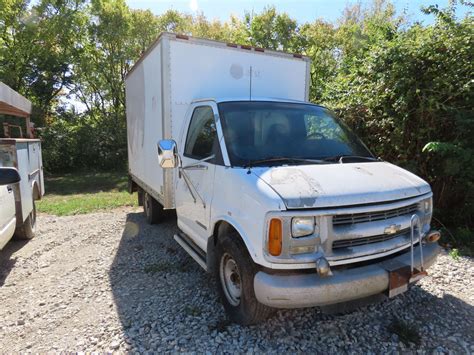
168 154
9 176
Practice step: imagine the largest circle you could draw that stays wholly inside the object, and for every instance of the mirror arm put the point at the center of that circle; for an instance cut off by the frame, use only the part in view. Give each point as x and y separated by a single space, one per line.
198 163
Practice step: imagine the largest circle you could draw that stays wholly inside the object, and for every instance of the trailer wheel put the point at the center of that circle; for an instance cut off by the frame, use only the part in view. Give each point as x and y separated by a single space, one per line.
28 229
153 210
235 271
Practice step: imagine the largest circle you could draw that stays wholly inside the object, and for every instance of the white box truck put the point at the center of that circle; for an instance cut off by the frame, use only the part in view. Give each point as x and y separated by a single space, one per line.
274 195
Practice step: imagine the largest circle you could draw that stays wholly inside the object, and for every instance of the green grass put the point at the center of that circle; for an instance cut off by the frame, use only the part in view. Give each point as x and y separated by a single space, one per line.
80 193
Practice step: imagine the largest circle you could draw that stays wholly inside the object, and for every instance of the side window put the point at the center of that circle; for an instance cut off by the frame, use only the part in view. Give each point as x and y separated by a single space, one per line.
201 134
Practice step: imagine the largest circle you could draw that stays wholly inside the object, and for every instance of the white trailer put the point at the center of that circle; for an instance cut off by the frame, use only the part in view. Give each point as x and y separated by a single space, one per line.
175 71
18 195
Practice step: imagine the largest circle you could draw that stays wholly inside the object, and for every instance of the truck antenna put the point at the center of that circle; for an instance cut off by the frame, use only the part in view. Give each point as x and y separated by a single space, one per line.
250 83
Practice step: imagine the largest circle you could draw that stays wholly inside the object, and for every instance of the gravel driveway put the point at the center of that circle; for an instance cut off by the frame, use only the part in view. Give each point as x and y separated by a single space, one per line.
109 282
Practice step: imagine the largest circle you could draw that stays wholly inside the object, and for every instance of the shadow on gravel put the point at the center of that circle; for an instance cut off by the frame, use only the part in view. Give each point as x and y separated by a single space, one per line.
6 261
166 302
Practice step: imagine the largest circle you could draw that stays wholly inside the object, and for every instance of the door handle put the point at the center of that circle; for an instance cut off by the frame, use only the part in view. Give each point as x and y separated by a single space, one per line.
9 189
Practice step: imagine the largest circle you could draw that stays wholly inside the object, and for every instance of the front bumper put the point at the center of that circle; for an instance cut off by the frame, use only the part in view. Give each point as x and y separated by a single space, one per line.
308 290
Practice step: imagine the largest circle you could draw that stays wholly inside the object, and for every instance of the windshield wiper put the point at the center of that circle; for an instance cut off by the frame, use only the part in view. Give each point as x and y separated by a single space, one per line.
253 163
340 158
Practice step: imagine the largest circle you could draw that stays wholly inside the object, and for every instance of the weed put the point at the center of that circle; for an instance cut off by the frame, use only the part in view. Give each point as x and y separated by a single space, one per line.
185 267
407 333
157 268
191 310
220 326
454 253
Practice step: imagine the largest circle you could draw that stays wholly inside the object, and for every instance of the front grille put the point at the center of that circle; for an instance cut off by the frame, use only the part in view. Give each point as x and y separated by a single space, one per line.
348 243
374 216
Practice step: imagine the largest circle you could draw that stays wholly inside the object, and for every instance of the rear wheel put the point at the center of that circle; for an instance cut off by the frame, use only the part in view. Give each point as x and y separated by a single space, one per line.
153 210
235 272
140 194
28 229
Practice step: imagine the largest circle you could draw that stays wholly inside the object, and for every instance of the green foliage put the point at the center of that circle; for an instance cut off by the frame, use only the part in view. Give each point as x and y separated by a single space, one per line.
404 87
454 253
409 96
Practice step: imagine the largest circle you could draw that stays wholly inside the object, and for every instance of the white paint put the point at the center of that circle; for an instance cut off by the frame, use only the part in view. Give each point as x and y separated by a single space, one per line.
335 185
7 215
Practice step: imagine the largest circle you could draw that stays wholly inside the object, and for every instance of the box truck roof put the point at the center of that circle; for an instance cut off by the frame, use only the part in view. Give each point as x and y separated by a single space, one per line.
246 98
204 41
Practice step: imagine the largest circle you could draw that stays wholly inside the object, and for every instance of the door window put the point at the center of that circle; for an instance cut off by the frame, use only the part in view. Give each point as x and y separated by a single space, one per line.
201 134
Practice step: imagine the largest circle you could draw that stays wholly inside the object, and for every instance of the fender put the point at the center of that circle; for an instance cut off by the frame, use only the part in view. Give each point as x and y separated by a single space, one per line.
238 228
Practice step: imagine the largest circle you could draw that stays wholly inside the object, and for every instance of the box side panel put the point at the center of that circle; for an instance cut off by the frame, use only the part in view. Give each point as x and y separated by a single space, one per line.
23 199
35 173
144 122
135 109
41 173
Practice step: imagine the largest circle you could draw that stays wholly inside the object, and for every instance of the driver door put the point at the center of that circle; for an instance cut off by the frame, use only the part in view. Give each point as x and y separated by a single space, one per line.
199 153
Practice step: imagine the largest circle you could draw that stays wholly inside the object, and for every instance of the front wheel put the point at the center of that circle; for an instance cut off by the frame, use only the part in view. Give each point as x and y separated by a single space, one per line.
235 271
28 229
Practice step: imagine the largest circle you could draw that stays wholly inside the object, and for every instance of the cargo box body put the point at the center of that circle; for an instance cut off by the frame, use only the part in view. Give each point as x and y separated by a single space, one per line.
24 155
178 70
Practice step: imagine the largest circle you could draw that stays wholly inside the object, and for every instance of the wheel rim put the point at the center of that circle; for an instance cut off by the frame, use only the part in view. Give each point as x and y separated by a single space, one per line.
230 279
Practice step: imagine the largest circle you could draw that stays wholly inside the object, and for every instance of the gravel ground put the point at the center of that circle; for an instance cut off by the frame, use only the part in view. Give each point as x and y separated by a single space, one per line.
109 282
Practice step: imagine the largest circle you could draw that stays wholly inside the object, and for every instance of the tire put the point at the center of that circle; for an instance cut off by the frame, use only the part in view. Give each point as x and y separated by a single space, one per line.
154 212
140 194
234 272
28 229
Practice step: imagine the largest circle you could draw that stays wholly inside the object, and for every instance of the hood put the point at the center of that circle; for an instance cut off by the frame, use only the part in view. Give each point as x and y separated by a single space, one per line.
335 185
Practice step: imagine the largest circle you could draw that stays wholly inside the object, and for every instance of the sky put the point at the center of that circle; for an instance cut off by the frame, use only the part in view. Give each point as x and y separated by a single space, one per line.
301 10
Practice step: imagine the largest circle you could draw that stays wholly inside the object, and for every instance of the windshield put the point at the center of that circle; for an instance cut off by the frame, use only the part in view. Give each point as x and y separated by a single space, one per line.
256 131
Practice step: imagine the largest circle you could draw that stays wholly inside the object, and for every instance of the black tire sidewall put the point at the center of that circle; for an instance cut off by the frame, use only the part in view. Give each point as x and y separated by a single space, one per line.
153 210
147 206
27 230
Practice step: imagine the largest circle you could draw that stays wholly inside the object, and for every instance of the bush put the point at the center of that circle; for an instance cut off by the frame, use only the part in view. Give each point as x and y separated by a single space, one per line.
410 98
84 144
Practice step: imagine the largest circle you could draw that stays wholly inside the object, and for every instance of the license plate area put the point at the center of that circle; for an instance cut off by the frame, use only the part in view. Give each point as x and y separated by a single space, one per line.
400 276
398 281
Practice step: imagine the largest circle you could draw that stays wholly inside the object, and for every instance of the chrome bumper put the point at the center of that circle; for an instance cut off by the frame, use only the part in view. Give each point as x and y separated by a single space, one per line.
308 290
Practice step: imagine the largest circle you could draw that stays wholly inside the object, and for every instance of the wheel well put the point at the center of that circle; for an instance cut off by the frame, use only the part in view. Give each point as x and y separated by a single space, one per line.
219 227
36 192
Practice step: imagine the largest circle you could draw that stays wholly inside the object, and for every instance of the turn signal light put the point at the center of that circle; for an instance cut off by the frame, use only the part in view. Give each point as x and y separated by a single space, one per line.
433 236
275 237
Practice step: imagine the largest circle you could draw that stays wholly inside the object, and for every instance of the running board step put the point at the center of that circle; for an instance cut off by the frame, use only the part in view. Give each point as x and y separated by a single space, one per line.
192 249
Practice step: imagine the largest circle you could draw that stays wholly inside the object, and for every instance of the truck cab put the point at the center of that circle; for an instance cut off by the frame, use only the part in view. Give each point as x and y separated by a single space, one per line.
315 217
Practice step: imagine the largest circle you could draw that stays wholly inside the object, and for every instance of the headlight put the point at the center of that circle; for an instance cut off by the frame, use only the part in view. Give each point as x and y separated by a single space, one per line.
427 205
302 226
